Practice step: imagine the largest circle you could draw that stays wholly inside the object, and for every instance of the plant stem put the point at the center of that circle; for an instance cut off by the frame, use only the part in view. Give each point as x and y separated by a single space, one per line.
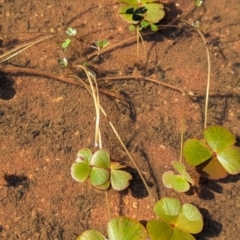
209 73
107 203
182 128
95 95
137 43
139 35
208 79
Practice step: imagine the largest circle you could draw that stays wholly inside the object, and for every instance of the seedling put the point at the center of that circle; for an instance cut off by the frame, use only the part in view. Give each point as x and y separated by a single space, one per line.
123 228
63 62
216 155
100 44
176 221
71 32
178 182
100 171
65 45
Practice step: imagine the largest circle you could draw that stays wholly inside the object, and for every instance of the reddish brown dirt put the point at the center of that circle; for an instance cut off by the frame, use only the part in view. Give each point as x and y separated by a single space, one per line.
44 122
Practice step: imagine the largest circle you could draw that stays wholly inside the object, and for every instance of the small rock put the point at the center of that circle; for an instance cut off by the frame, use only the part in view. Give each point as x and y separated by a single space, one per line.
135 205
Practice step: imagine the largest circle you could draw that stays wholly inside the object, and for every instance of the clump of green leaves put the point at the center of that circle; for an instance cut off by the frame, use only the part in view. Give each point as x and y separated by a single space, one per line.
123 228
175 221
216 155
99 170
65 45
143 13
179 182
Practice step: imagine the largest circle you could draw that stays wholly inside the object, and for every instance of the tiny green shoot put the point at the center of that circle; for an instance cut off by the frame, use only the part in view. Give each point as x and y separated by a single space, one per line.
71 32
198 3
66 43
63 62
131 28
100 44
196 24
154 27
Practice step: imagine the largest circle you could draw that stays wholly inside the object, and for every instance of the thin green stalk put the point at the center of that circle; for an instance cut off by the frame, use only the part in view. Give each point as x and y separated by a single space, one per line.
208 79
182 128
107 203
137 43
95 95
209 73
139 35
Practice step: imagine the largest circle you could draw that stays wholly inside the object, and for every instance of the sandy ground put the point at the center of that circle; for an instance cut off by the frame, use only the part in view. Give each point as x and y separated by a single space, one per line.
44 122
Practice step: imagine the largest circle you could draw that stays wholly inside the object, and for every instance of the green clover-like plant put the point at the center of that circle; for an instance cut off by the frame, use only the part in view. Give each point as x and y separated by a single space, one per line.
137 11
99 170
216 155
178 182
123 228
93 167
176 221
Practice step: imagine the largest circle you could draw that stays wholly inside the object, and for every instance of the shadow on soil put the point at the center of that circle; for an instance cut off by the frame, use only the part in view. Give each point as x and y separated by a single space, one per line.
211 227
136 187
208 187
7 90
13 180
18 183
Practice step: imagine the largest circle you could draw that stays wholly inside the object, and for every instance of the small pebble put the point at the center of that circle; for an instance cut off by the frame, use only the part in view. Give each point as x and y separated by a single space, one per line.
135 205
